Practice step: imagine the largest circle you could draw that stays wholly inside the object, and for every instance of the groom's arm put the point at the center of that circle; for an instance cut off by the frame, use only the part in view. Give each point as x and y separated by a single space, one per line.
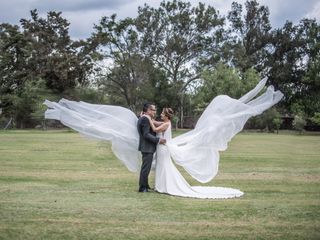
146 131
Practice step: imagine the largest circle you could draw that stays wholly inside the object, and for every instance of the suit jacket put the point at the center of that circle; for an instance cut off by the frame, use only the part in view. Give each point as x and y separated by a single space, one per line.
148 140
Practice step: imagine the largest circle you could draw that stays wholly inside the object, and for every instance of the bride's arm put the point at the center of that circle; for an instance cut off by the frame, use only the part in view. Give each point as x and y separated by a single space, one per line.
157 123
160 128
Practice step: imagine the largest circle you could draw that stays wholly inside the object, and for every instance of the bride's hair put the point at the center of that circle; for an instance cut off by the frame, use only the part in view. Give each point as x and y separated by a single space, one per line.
168 112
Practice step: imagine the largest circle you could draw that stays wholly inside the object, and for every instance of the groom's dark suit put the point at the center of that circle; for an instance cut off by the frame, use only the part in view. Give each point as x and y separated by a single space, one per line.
147 146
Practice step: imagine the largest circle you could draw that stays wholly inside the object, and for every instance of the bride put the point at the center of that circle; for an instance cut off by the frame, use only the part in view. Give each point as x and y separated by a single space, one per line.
167 177
197 151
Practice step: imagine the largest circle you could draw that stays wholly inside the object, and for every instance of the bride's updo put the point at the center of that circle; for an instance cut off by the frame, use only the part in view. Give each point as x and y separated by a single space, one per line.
168 112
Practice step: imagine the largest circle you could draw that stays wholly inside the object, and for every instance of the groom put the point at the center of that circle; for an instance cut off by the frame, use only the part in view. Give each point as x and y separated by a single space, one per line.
147 144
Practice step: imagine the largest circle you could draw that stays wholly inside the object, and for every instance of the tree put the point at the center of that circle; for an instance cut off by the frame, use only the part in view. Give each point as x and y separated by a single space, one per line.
54 57
130 85
224 80
277 123
13 51
294 67
249 36
42 55
126 77
299 123
269 120
130 78
316 118
180 40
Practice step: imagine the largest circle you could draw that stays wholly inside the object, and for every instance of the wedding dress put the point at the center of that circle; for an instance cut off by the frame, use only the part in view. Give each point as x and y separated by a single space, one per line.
169 180
197 151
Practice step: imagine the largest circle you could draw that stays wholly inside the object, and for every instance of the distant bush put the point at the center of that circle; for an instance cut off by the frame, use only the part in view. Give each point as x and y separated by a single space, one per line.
270 121
299 123
316 118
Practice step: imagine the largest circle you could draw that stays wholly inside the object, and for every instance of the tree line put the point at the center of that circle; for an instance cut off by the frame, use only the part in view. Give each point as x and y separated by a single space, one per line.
176 55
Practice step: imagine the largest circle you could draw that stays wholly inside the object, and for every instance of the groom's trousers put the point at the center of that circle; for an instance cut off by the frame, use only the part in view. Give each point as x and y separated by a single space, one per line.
145 170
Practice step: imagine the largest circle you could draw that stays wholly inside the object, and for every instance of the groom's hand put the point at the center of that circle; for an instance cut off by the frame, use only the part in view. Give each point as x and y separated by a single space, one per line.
162 141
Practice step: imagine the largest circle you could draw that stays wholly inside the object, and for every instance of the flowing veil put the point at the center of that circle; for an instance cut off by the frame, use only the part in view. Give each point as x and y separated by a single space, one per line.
102 122
197 151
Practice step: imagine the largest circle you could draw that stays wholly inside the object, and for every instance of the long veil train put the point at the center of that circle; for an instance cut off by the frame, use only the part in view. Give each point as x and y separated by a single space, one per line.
197 151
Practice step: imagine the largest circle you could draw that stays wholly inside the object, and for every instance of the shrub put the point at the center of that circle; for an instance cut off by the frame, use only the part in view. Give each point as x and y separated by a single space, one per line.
299 123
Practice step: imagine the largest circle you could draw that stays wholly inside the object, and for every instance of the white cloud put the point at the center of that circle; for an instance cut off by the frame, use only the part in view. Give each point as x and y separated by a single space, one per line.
82 14
13 10
291 10
78 5
82 22
315 12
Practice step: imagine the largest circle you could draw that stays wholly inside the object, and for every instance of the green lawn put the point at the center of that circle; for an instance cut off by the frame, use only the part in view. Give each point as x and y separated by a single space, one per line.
59 185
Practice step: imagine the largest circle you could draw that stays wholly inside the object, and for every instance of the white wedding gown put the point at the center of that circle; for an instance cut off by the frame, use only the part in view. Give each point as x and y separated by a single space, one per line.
197 151
169 180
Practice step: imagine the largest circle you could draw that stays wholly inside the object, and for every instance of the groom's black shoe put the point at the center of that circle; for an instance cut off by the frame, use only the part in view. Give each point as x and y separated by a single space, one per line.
143 190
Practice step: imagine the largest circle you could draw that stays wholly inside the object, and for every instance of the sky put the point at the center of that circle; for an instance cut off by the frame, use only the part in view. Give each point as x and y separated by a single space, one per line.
83 14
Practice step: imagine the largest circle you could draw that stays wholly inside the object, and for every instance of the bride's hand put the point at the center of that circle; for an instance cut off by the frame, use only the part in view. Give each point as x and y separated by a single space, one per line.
147 116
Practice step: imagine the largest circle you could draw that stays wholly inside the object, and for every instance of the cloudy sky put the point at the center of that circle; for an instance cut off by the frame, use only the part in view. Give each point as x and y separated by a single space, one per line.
82 14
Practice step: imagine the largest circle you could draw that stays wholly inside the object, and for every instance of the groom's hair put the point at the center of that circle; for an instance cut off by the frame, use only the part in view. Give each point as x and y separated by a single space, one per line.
146 106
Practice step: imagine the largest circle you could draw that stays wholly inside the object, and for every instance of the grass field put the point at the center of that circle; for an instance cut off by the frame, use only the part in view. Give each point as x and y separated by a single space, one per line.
59 185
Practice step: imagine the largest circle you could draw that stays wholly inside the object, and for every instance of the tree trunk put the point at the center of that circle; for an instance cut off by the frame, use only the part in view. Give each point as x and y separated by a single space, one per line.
181 112
8 124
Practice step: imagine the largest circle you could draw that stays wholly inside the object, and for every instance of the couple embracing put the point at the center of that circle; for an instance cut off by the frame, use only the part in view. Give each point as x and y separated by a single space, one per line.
149 138
156 137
